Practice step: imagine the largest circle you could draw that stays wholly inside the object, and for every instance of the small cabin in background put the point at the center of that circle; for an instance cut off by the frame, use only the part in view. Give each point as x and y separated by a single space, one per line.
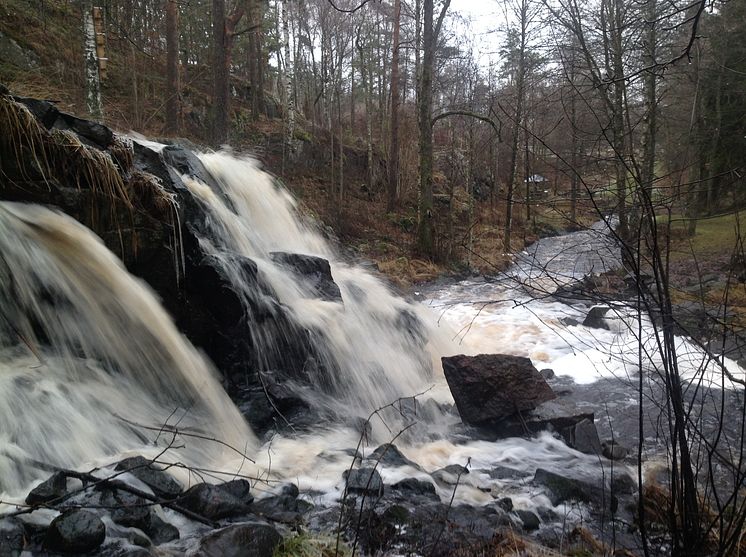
538 186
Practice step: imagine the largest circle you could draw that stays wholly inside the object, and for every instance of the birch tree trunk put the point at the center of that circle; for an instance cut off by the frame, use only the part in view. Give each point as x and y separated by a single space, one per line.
92 78
288 80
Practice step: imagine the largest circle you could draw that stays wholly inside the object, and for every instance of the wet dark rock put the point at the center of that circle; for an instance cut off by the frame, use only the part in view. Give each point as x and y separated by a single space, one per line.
596 318
450 474
547 373
96 134
530 520
151 475
555 415
274 405
315 270
366 481
390 455
584 437
251 539
214 502
282 508
49 490
411 325
44 111
186 162
160 531
240 489
12 537
121 549
127 509
613 450
505 473
75 531
623 483
413 486
505 503
291 490
563 488
490 387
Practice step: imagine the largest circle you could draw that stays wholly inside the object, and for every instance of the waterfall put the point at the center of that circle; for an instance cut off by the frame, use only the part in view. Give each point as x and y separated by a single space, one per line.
373 347
90 360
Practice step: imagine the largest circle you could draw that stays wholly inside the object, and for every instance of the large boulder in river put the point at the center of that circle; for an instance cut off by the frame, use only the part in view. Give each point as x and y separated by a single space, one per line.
490 387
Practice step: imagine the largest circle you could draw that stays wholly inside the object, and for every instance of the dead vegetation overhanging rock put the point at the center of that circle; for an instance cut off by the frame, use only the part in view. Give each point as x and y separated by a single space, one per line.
42 150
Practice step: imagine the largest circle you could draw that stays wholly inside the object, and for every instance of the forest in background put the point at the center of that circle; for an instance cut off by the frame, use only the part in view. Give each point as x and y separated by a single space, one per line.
379 116
380 119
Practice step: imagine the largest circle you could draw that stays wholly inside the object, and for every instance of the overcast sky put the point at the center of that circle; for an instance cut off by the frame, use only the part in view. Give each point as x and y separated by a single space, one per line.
486 19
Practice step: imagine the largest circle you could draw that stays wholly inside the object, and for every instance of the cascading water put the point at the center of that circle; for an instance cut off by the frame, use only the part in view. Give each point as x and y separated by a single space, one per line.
90 359
89 356
374 347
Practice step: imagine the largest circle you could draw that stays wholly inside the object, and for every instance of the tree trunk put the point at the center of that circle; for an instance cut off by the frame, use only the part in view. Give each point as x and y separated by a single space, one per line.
173 88
254 61
288 79
574 178
394 147
223 29
517 123
221 92
426 226
92 79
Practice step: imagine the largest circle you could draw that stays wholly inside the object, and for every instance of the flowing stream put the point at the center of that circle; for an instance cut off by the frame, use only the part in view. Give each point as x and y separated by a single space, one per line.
88 356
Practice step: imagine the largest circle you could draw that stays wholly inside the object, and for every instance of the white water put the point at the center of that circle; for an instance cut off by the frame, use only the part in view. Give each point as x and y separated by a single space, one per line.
112 364
116 354
376 362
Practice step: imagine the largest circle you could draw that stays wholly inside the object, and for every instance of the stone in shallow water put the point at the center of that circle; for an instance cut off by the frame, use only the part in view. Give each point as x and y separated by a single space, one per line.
49 490
214 502
161 531
12 537
596 318
613 450
413 486
530 520
364 480
584 438
598 491
75 531
390 455
240 540
148 473
282 508
127 509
